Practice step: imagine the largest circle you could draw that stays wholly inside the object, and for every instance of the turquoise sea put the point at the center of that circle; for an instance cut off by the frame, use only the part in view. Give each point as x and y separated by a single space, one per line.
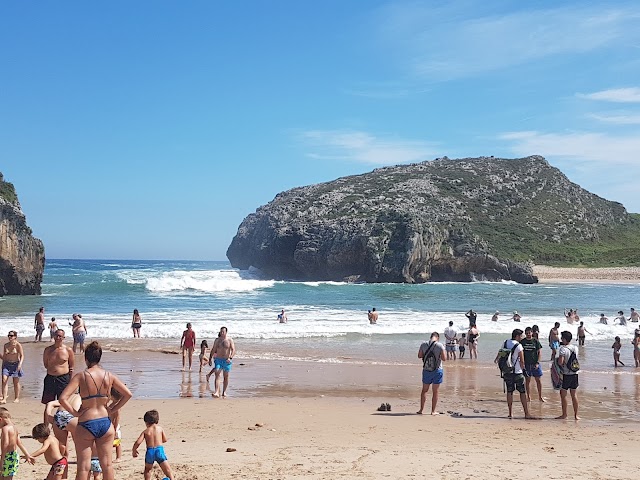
327 320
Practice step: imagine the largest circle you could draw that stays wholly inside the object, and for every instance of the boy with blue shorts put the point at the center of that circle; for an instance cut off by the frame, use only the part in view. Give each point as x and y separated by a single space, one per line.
154 437
432 355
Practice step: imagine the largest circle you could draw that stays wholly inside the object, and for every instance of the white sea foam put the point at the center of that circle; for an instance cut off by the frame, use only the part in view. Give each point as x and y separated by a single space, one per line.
310 322
194 281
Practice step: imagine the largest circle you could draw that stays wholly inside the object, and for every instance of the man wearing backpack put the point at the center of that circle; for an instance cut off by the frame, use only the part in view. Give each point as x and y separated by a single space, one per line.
432 355
567 359
514 379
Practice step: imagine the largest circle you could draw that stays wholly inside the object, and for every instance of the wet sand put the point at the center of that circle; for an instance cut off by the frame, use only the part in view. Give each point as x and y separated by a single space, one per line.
609 396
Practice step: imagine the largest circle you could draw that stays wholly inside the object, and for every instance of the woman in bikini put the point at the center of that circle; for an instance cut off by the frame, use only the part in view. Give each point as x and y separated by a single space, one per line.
94 426
12 358
136 323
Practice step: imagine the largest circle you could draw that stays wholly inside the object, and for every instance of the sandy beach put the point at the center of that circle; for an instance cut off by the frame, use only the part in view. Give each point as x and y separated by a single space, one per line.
333 437
307 420
548 274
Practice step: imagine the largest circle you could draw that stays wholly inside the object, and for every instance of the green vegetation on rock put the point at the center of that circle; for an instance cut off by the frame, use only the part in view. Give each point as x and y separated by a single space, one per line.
8 192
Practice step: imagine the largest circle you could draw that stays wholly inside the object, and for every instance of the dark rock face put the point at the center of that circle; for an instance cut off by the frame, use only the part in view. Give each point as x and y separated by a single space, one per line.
443 220
21 255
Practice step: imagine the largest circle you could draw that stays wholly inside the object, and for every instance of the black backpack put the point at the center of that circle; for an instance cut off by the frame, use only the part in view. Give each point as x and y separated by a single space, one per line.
573 365
429 361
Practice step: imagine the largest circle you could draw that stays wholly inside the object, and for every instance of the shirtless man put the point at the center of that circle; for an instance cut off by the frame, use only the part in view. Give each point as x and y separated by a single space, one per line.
58 360
79 331
188 345
633 316
39 324
554 340
221 354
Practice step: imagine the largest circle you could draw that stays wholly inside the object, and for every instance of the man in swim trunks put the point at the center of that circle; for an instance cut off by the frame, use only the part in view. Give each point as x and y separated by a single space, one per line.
633 316
450 334
59 361
222 353
188 344
79 331
554 340
39 324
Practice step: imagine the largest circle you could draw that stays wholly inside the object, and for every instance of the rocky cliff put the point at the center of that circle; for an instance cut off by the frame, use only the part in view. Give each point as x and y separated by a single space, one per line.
440 220
21 255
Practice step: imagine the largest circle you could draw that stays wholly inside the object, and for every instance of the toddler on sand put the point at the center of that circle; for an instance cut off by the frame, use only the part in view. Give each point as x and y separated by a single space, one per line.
154 437
51 450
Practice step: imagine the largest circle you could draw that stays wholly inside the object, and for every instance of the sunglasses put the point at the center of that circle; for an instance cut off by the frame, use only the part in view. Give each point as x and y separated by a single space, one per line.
11 336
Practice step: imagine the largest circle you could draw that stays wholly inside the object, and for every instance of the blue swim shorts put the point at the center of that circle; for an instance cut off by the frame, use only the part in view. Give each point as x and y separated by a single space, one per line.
79 337
554 345
432 378
222 364
533 371
155 454
10 369
451 348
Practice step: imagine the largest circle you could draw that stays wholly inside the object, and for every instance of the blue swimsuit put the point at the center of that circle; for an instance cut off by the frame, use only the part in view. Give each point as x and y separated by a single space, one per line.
98 427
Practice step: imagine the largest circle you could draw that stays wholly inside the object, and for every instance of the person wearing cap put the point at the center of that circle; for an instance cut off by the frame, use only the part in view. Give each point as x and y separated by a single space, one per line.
516 317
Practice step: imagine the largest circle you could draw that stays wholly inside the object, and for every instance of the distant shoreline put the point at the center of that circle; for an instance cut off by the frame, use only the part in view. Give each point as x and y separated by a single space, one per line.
547 274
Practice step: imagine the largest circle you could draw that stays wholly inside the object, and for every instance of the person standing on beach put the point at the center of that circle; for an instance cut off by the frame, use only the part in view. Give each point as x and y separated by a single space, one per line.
617 345
636 347
472 316
515 381
581 334
53 327
79 332
222 355
136 323
450 334
12 358
532 355
554 340
432 355
187 345
39 324
472 340
58 360
569 377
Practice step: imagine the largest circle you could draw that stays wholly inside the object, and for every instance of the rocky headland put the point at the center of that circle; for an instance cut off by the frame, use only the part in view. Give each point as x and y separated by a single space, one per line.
443 220
21 255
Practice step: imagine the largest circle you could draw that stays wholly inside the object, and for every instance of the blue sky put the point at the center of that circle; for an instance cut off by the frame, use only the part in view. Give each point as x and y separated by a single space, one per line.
150 129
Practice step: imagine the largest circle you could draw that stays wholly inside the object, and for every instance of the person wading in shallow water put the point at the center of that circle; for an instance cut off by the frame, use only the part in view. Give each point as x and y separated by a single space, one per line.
188 345
221 355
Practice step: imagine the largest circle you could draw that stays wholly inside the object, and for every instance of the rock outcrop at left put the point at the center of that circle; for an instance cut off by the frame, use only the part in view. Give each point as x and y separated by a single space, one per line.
21 254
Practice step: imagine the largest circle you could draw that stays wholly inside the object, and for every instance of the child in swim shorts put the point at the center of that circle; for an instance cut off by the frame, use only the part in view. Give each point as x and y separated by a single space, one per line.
154 437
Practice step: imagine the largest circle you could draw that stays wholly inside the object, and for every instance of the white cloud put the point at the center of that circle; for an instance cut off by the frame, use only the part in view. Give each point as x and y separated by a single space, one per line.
618 95
364 147
617 119
456 40
580 146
